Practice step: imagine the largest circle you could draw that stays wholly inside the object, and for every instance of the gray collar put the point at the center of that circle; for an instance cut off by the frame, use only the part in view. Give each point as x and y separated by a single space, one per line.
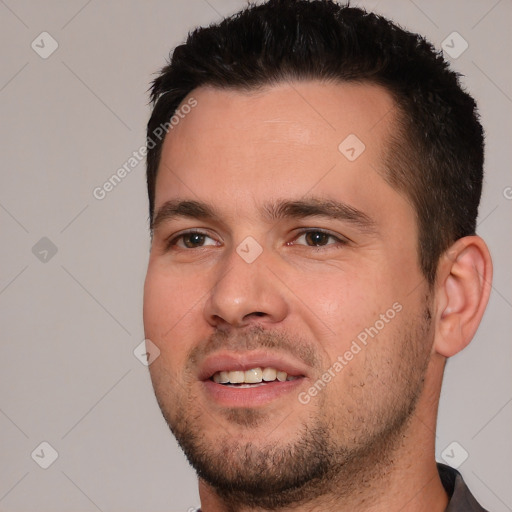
461 499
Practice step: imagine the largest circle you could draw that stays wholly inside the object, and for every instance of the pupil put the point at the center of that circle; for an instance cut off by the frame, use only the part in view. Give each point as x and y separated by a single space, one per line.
317 237
194 239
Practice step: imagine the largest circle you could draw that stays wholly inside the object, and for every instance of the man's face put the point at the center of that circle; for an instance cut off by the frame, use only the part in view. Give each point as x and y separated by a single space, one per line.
304 257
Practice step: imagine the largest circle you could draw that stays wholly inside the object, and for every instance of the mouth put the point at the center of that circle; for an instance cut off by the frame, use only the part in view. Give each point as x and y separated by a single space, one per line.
249 379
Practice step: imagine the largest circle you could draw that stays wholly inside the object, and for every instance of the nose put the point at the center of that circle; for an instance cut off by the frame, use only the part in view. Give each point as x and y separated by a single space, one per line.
245 293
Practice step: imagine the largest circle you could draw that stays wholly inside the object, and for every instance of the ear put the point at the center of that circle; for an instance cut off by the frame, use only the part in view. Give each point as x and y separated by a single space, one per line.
463 286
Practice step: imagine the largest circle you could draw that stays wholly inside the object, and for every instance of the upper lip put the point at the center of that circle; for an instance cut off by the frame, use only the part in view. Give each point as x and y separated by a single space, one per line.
242 361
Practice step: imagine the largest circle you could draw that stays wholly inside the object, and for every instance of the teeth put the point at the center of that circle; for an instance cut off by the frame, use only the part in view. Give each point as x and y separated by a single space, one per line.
269 374
236 377
221 377
281 376
252 376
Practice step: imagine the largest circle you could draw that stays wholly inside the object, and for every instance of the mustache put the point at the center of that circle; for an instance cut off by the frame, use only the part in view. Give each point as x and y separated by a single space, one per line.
255 338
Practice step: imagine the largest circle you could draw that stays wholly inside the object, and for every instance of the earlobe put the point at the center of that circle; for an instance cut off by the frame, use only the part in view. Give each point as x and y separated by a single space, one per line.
463 286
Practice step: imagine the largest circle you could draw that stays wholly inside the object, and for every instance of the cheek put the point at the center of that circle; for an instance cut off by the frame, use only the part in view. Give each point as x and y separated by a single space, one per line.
346 300
171 307
362 310
169 297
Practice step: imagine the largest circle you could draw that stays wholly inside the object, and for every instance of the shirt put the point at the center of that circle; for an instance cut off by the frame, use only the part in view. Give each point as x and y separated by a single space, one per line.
461 499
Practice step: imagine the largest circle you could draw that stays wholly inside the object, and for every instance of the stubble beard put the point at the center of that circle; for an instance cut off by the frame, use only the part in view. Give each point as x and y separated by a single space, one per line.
318 461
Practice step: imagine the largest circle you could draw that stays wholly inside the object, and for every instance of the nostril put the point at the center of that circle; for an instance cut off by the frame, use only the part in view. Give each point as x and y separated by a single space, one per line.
253 315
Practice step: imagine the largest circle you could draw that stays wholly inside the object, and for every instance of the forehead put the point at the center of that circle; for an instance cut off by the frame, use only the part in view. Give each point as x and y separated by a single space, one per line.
290 138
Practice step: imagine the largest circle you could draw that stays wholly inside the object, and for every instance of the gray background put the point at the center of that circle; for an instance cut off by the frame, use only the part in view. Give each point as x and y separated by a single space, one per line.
70 323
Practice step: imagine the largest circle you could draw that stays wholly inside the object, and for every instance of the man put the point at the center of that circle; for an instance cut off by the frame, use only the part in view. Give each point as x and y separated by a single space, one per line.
314 259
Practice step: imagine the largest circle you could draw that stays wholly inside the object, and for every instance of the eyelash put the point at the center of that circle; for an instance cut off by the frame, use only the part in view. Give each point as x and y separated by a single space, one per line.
339 241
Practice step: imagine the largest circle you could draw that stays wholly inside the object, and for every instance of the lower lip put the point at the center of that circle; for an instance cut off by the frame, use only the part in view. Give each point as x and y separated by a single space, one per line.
229 396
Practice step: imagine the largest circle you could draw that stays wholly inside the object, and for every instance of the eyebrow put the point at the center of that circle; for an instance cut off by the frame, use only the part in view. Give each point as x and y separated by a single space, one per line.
272 211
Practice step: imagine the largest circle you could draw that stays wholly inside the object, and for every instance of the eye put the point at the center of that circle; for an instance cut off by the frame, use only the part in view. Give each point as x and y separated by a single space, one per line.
318 238
191 240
